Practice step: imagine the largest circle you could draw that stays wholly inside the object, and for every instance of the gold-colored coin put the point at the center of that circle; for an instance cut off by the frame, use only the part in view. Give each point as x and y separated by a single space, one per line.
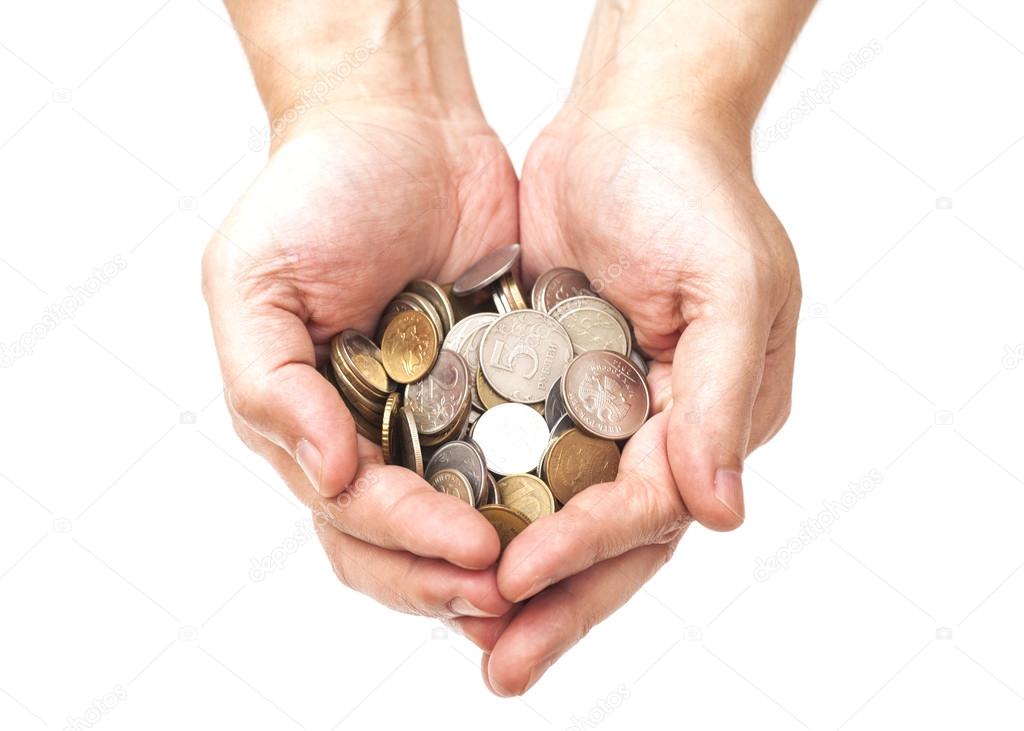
387 432
438 298
527 494
454 483
366 427
410 346
410 451
576 461
488 396
512 293
357 361
508 522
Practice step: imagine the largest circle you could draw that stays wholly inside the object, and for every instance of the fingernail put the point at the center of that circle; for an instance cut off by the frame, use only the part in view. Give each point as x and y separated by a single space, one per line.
535 588
312 463
464 607
729 490
538 672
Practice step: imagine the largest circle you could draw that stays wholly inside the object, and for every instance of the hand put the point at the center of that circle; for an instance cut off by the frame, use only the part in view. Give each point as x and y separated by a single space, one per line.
657 205
358 199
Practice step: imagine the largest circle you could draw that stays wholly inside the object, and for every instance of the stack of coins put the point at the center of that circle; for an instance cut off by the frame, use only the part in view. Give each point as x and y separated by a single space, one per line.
509 407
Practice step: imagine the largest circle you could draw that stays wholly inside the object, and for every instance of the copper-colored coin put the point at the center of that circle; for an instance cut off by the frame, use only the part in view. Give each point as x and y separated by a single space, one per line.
410 451
559 284
410 346
605 394
527 494
576 461
452 482
486 270
508 522
437 297
488 396
390 422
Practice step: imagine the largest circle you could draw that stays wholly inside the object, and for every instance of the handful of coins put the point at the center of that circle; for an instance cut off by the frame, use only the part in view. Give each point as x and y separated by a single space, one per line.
466 383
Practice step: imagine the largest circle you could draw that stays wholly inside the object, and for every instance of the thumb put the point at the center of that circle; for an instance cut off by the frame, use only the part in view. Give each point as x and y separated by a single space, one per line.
268 362
716 374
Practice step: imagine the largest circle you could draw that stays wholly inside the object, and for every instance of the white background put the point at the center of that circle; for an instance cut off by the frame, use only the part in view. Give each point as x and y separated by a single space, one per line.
126 535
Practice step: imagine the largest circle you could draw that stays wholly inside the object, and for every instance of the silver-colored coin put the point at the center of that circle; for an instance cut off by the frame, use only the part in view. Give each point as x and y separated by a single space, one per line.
501 303
593 329
464 338
572 304
409 444
491 497
466 458
486 270
562 426
554 409
559 284
441 398
606 395
639 361
512 437
522 353
437 297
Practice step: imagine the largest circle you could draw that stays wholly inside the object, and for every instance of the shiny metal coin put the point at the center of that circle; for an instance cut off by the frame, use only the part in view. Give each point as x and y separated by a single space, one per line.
554 409
454 483
606 395
572 304
438 401
438 298
593 329
512 437
487 270
559 284
522 353
466 459
464 338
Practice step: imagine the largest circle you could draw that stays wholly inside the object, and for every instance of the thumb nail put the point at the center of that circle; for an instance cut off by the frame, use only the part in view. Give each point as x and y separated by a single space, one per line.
465 608
729 490
310 460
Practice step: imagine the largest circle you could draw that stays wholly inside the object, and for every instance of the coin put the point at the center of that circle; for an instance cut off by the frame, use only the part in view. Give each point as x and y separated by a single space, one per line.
409 445
572 304
510 290
593 329
486 270
605 394
361 362
409 302
522 353
639 361
409 346
491 495
508 522
527 494
456 431
387 432
562 426
437 297
467 459
369 428
501 303
559 284
464 338
488 396
576 461
512 437
554 409
453 482
438 401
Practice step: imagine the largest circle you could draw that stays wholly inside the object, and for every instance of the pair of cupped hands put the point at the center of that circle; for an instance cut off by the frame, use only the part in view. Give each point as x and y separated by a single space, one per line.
660 211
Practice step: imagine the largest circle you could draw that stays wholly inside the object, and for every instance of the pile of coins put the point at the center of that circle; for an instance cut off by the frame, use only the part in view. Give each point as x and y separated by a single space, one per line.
511 408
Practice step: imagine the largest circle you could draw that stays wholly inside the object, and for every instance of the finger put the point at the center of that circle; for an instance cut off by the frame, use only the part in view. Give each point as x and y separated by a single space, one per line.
393 508
774 399
268 363
484 631
409 583
640 508
717 371
557 618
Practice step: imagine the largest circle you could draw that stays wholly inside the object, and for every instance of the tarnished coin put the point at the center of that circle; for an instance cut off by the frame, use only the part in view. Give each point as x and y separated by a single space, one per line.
572 304
527 494
464 338
593 329
605 394
466 458
390 423
577 461
488 396
409 445
453 482
554 409
437 297
410 346
486 270
512 437
522 353
438 401
559 284
508 522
